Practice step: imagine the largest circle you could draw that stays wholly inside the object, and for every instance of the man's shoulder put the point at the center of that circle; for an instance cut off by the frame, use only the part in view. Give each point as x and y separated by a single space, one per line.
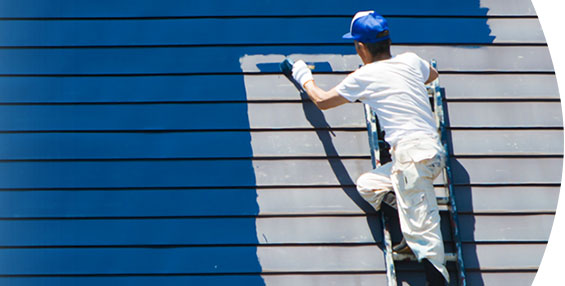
407 56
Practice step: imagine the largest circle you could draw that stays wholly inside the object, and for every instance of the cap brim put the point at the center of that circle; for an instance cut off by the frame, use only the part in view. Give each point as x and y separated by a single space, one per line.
348 36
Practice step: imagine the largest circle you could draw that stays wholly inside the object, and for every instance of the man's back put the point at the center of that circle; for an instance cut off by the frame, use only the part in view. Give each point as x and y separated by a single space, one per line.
395 89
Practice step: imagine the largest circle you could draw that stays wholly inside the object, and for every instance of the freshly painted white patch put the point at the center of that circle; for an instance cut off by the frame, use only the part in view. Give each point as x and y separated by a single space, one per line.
312 172
304 201
504 8
327 279
278 87
335 200
309 230
307 143
515 30
336 61
292 115
320 258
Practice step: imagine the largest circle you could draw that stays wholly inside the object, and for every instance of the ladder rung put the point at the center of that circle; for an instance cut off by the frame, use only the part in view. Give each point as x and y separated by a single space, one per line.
449 256
443 203
442 200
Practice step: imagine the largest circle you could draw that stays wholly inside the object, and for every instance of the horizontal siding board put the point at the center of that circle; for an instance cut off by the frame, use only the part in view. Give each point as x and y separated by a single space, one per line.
194 116
321 31
496 7
517 199
252 231
17 146
164 280
24 146
501 278
355 279
332 172
486 58
197 231
505 114
414 275
503 256
196 260
204 88
510 31
211 280
456 86
507 142
178 173
335 279
128 260
244 173
310 144
194 231
126 8
122 89
242 144
320 258
133 203
242 259
237 116
498 228
250 202
499 86
235 59
507 170
305 116
126 174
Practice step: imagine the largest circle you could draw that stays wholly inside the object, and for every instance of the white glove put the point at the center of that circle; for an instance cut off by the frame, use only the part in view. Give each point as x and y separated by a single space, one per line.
301 73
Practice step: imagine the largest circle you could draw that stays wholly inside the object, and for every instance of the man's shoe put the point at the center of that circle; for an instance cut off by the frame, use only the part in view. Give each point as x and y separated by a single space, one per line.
389 199
433 276
402 248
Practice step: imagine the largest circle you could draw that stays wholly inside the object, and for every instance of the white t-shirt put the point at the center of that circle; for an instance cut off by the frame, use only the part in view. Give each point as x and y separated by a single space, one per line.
395 89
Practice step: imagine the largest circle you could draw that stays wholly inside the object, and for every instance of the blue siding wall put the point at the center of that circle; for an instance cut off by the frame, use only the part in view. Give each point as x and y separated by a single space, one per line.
132 195
179 8
146 143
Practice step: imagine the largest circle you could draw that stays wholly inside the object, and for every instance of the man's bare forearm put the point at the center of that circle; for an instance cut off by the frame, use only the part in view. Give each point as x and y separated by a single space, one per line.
321 98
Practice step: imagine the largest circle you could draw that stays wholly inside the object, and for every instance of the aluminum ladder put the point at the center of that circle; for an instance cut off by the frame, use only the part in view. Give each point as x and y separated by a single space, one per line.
445 203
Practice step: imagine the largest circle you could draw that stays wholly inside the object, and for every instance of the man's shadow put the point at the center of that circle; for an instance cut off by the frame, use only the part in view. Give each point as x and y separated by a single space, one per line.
324 132
463 196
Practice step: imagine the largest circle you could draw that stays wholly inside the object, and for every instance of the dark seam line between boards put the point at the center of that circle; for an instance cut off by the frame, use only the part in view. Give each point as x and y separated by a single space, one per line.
261 73
313 16
218 45
265 216
262 101
264 187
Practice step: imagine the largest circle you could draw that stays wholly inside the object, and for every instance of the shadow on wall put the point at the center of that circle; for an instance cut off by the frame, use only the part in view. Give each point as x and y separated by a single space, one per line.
463 192
323 130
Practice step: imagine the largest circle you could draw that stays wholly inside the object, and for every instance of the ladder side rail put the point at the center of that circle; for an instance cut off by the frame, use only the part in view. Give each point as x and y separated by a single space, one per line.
371 121
373 136
448 178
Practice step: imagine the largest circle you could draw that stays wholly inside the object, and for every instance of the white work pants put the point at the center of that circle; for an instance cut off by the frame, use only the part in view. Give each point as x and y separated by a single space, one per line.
416 162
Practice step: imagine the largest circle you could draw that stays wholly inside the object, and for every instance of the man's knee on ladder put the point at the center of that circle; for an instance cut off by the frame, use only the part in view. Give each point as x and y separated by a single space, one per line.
374 185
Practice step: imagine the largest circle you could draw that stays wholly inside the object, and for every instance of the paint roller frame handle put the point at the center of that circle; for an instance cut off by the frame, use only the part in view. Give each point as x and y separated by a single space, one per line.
286 68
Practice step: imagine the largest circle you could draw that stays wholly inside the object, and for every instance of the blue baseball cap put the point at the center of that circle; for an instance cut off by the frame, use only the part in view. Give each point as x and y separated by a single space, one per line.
366 26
